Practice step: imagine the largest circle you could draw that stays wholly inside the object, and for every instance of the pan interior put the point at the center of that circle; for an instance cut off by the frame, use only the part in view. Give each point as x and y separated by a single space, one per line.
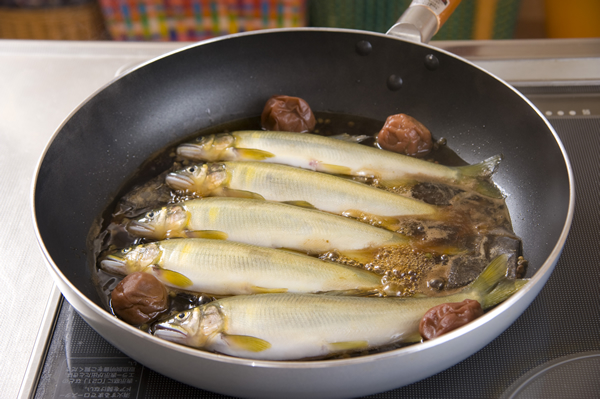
106 140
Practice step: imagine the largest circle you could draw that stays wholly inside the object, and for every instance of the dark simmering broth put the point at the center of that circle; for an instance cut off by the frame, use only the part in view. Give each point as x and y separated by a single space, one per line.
477 229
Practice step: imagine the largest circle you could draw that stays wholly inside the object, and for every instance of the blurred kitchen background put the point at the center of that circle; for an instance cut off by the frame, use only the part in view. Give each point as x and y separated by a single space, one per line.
192 20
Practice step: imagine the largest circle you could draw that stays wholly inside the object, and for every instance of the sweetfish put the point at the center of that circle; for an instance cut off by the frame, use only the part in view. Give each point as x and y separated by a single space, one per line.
330 155
231 268
298 186
266 224
297 326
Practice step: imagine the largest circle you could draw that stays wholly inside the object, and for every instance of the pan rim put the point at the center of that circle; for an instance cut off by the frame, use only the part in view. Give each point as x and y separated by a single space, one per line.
542 273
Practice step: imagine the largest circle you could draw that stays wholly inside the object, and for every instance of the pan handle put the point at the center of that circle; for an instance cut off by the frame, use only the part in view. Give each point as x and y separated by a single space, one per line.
422 19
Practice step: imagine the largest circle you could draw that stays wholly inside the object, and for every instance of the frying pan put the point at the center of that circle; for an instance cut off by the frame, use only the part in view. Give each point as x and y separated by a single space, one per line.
104 141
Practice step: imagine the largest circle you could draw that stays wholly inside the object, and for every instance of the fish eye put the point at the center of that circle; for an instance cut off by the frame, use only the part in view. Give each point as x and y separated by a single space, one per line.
192 169
125 250
150 215
181 316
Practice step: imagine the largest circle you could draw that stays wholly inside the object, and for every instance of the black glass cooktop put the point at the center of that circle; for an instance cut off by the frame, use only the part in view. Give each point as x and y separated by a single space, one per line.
551 351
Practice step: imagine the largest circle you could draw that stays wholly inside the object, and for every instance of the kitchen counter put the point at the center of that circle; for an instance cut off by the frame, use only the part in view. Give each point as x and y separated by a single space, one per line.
41 83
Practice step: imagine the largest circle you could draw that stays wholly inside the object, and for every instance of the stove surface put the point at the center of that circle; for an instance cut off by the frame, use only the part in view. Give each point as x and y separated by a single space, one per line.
551 351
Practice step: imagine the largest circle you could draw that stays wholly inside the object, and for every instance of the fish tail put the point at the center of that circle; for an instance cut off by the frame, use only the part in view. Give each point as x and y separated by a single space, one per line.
483 169
490 276
488 188
479 176
502 291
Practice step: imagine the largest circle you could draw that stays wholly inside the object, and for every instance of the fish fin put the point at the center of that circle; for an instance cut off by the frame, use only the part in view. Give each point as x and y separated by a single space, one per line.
302 204
211 234
488 189
333 169
263 290
361 255
502 291
387 222
348 345
230 192
172 277
253 154
412 338
478 176
483 169
491 275
246 342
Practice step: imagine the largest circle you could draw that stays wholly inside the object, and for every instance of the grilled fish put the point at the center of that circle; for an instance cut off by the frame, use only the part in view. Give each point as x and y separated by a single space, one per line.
298 186
266 224
230 268
329 155
296 326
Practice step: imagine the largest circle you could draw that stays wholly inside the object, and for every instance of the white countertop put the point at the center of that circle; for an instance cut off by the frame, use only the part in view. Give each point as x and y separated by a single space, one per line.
41 82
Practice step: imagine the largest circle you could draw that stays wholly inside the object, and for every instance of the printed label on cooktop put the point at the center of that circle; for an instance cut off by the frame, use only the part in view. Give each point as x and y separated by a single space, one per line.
92 378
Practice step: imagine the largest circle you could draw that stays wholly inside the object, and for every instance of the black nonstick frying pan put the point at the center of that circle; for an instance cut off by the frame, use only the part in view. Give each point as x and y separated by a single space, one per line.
102 144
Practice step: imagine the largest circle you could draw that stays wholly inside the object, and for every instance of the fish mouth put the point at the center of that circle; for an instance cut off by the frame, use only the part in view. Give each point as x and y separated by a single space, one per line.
140 229
169 332
113 264
190 151
179 181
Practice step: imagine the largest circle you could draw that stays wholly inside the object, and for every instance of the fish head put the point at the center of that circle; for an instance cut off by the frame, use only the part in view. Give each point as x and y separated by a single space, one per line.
159 224
192 327
210 148
201 180
133 259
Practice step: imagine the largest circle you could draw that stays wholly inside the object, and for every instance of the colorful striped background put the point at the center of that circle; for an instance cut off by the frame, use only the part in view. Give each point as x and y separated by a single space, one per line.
192 20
